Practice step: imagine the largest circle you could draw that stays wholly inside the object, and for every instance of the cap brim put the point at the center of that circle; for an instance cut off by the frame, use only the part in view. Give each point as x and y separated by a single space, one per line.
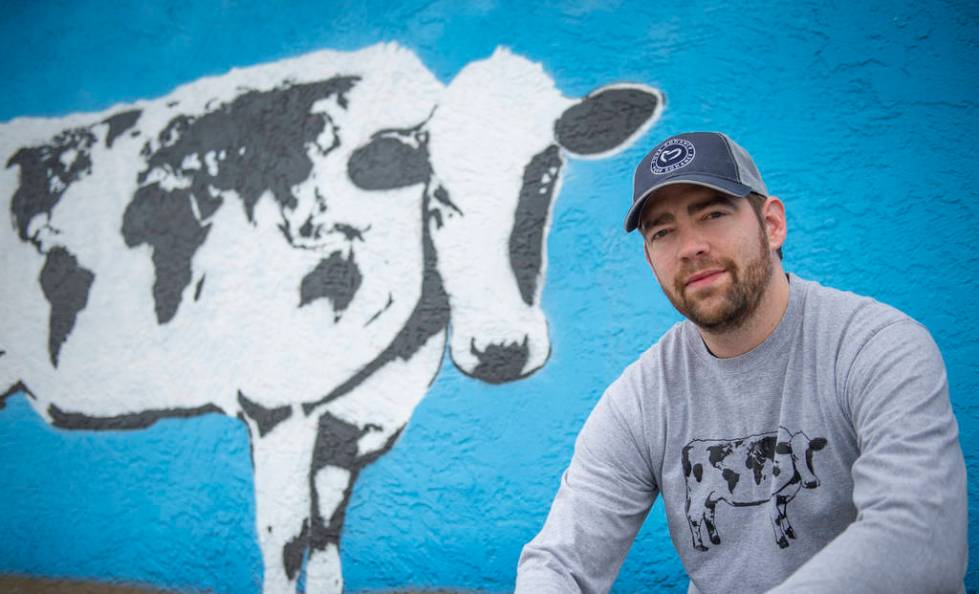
717 183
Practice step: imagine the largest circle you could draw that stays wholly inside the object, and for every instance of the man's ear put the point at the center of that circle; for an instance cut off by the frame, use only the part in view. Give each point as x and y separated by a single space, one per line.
773 216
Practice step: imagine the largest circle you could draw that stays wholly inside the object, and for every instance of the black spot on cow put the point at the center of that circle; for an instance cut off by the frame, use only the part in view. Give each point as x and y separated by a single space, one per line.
66 286
698 472
500 363
604 120
349 232
165 221
440 200
119 123
387 162
46 172
141 420
294 551
266 419
732 479
717 453
760 452
335 278
336 443
685 457
198 288
17 388
534 203
258 142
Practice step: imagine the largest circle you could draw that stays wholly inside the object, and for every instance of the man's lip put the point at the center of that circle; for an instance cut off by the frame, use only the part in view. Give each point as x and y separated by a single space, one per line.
703 274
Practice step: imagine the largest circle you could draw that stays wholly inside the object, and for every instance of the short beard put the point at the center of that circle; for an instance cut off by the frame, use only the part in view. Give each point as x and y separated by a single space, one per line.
741 298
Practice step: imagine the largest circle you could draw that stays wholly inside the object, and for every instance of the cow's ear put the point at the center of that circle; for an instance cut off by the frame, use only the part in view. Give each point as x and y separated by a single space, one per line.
783 448
608 119
817 444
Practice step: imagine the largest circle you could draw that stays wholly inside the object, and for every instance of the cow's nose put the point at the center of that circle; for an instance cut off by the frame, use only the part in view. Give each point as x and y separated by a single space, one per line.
502 362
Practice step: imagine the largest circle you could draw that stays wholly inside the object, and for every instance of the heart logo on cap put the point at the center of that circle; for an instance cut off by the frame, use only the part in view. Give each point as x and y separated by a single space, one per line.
672 155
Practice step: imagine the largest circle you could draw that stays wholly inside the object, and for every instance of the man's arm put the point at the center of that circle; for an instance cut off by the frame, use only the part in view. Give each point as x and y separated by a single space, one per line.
603 499
909 482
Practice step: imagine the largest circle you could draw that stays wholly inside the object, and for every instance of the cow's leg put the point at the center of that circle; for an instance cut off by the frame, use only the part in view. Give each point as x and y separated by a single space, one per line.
709 508
282 449
695 516
781 501
335 463
353 431
776 518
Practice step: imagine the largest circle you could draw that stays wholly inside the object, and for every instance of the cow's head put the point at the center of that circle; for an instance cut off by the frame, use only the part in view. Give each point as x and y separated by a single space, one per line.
801 448
499 136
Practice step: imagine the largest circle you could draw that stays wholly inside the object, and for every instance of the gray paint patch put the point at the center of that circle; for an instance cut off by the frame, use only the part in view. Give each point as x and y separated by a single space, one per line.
12 390
266 419
141 420
44 176
335 278
601 122
119 123
198 288
386 163
66 286
258 141
527 236
294 551
500 363
165 221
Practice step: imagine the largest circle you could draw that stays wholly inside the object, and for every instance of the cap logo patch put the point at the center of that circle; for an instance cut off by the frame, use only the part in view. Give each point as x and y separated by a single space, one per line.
672 155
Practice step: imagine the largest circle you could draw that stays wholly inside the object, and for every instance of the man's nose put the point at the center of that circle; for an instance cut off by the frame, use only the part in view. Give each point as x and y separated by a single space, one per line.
692 244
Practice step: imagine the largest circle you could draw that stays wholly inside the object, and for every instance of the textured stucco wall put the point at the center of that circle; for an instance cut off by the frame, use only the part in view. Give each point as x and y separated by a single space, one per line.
863 120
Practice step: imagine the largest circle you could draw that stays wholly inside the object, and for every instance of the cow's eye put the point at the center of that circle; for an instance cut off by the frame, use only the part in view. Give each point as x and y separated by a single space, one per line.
386 163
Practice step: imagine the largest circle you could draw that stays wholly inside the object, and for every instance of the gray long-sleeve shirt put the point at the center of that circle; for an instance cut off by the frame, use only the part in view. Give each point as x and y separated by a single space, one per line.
824 460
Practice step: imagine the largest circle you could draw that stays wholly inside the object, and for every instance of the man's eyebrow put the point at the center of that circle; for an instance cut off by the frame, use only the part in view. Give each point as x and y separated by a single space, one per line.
665 217
716 199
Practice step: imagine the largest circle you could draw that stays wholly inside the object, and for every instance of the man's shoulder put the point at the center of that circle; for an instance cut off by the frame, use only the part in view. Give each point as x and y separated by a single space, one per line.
847 311
846 321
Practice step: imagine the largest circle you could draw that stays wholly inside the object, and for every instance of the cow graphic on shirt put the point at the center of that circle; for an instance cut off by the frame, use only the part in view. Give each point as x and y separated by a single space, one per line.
753 470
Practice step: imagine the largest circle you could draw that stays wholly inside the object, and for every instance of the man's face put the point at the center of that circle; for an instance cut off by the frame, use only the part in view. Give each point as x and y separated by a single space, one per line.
709 252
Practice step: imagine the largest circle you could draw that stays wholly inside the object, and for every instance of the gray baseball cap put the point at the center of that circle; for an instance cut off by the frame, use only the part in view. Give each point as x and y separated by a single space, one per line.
709 159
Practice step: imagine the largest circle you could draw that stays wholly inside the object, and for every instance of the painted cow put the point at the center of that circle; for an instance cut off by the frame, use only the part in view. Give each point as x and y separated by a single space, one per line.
294 244
769 467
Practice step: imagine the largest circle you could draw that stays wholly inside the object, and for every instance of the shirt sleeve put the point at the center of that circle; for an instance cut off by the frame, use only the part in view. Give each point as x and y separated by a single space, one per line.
601 503
909 480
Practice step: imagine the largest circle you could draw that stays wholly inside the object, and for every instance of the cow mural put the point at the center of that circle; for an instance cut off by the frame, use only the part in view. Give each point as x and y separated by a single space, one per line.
753 470
295 244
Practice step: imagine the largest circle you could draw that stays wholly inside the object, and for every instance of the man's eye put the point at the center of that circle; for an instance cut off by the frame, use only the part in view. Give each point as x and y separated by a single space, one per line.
658 234
715 214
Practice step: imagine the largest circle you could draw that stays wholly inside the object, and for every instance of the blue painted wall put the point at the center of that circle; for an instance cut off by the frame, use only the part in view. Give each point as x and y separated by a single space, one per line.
862 118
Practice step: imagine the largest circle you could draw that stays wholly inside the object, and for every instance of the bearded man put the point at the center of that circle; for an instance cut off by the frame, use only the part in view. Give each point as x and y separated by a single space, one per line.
801 437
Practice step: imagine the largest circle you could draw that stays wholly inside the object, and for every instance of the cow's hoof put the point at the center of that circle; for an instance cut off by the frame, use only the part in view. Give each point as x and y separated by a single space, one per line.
715 539
700 547
783 542
790 533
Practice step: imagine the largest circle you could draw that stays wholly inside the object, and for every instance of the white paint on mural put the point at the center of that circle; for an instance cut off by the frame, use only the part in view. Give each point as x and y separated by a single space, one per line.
295 244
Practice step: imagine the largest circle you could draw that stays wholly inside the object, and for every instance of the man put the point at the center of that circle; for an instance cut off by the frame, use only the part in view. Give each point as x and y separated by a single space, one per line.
801 437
